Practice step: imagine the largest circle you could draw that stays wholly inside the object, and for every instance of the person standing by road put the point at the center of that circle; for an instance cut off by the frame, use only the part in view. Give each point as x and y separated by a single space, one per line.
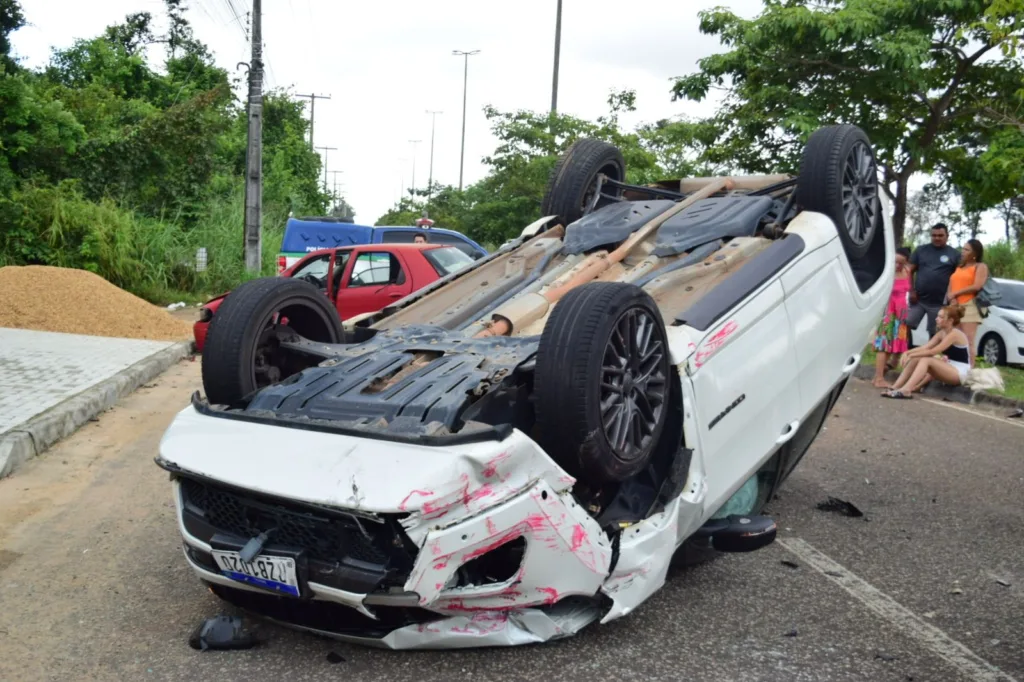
930 267
964 284
892 335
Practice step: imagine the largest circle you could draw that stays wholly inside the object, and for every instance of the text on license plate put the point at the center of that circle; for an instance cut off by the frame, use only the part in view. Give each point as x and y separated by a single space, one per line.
270 572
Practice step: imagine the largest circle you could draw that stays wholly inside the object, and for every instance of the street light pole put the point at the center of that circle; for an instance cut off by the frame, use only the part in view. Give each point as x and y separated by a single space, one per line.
430 182
326 149
558 46
414 143
465 78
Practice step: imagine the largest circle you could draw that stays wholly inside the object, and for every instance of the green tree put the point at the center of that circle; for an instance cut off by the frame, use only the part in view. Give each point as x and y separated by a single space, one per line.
917 75
11 19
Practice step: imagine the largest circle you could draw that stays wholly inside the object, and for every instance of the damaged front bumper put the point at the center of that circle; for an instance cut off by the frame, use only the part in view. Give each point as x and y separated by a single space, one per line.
410 546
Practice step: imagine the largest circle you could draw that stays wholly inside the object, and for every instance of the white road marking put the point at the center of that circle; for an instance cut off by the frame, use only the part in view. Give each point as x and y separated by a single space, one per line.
929 636
977 413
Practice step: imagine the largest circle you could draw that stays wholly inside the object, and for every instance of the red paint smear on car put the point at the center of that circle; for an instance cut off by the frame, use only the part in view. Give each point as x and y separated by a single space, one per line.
715 342
491 469
552 594
492 529
578 536
405 502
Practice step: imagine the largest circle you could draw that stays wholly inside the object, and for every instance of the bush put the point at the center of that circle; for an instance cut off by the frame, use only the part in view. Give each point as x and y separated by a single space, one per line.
1005 261
153 258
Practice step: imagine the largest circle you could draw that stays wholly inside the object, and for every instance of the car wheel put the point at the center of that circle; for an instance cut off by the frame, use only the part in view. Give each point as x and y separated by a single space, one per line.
993 350
573 182
242 353
601 382
839 177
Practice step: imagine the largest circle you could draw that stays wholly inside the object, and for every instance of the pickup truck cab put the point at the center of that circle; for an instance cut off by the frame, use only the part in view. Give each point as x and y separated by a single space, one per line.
362 279
305 235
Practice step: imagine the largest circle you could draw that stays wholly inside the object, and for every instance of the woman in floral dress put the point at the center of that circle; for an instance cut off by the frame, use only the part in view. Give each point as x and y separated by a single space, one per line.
893 333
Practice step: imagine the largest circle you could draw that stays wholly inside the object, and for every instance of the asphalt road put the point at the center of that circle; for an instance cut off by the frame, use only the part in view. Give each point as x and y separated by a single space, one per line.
93 584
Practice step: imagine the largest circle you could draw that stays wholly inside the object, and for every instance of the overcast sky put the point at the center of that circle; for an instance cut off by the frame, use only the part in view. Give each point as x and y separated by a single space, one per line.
385 63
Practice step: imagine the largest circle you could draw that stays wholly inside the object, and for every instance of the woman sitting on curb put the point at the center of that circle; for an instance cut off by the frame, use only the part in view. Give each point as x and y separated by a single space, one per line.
922 364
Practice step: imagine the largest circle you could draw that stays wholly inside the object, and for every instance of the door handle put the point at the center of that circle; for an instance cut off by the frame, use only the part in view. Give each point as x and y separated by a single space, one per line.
852 363
788 432
394 295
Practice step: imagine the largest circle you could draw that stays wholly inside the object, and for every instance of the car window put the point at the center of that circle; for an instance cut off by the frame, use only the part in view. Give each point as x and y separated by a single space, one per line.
451 240
398 236
447 259
316 267
1012 295
376 268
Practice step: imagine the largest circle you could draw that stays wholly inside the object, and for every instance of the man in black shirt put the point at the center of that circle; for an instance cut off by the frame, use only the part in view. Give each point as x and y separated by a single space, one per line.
930 266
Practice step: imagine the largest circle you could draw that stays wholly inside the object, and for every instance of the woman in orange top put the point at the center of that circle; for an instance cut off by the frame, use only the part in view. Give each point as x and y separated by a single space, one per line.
964 284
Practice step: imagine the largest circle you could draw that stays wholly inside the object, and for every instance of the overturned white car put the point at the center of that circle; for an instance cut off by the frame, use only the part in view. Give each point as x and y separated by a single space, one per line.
524 447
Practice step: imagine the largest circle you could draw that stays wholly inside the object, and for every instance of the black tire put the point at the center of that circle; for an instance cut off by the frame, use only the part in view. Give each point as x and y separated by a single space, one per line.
584 358
233 342
838 177
573 179
992 345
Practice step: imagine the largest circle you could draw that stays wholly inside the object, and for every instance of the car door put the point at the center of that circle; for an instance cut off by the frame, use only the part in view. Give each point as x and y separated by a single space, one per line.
747 393
373 280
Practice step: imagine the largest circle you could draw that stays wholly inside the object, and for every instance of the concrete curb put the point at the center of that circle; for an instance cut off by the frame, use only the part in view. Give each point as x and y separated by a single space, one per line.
34 436
956 394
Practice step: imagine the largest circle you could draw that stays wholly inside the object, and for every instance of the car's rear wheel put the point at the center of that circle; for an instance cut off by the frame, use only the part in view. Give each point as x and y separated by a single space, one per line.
242 353
839 177
993 350
601 382
573 184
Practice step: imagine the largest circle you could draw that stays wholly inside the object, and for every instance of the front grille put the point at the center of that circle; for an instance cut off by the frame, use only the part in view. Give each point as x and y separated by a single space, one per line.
324 537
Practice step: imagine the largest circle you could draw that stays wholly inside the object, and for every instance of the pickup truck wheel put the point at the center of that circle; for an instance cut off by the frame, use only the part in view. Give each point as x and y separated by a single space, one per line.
241 354
573 182
839 177
601 382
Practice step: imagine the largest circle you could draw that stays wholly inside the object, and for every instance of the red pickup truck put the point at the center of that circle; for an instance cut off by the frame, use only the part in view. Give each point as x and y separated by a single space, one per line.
362 279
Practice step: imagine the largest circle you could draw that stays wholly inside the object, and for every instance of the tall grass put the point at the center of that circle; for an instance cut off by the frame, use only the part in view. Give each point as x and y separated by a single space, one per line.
152 258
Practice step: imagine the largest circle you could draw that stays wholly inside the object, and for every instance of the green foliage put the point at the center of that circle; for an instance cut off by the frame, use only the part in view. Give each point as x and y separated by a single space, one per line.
57 225
918 75
1005 261
111 164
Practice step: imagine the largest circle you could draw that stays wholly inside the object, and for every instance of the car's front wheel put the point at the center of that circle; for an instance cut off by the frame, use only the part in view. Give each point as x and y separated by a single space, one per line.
993 350
601 382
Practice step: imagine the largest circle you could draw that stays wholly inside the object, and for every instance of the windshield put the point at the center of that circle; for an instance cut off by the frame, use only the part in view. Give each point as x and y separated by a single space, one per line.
1012 297
447 259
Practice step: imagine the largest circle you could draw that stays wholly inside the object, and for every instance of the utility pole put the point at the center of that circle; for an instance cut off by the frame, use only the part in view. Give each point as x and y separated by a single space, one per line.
430 182
558 46
252 243
312 110
414 143
335 175
465 78
326 149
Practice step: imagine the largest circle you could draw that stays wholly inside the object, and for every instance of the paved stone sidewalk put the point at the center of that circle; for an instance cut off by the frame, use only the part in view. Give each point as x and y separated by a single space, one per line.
51 383
40 369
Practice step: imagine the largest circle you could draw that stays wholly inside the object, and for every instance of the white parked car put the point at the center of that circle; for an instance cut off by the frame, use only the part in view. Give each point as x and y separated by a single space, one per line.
1000 335
524 447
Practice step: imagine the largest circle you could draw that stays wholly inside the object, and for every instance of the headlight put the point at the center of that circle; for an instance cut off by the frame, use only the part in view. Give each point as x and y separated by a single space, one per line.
205 315
1018 325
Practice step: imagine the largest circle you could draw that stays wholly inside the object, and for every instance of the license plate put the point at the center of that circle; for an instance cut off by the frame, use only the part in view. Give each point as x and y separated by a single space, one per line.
275 573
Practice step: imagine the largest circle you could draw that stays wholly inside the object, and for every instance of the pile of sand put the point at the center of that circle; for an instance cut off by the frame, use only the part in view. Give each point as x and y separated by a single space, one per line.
80 302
